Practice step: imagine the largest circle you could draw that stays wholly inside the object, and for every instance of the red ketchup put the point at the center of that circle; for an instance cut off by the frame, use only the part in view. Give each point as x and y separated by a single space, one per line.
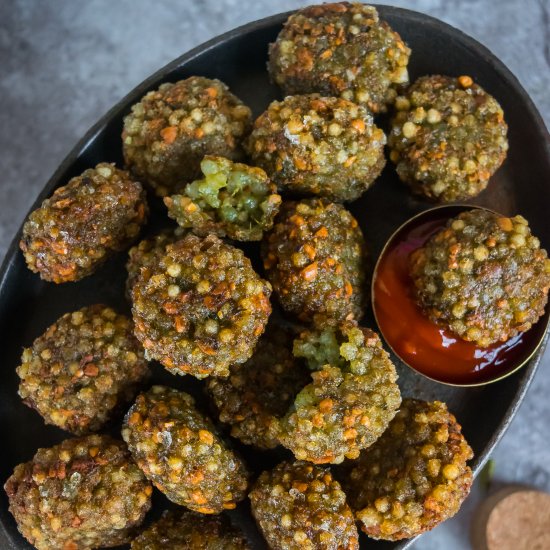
423 345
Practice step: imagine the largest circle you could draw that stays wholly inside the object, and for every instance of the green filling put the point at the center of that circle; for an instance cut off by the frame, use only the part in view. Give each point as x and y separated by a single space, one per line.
332 347
238 196
319 349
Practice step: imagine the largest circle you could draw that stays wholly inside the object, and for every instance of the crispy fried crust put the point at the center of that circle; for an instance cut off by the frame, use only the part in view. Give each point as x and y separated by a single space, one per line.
147 253
201 307
83 369
352 397
484 277
313 145
299 506
179 450
447 138
83 223
84 493
340 49
315 259
414 477
184 530
170 130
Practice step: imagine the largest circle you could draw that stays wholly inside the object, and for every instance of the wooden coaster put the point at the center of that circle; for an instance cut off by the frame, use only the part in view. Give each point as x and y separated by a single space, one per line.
514 518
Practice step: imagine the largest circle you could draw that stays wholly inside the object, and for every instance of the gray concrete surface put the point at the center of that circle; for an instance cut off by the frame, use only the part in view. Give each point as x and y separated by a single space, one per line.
63 63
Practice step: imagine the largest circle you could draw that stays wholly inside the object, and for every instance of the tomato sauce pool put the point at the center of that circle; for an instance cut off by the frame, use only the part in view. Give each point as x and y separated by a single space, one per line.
423 345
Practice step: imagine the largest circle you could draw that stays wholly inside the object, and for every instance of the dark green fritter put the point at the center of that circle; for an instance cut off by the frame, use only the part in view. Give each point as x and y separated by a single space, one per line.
171 129
414 477
183 530
340 49
315 259
82 494
232 200
147 253
351 400
447 138
201 307
313 145
484 277
179 450
83 223
85 368
299 506
256 395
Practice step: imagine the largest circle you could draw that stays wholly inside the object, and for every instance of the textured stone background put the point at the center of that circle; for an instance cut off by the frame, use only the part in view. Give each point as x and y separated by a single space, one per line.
63 63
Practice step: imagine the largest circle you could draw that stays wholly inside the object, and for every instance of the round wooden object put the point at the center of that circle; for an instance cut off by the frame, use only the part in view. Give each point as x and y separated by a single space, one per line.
514 518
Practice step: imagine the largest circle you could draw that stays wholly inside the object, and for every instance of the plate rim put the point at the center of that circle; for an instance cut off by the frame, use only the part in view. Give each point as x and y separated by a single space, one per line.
527 373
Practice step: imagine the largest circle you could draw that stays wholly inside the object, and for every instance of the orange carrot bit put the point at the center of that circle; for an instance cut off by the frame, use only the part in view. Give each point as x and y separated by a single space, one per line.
134 418
310 251
206 437
322 233
359 125
326 405
349 420
300 486
297 220
196 477
167 362
300 163
76 522
65 271
318 420
309 273
169 134
206 349
305 59
198 497
349 161
318 104
325 459
350 433
180 324
465 81
170 307
91 369
59 248
62 203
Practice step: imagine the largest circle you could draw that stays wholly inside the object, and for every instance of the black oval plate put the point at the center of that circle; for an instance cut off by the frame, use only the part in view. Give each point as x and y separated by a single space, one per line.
29 305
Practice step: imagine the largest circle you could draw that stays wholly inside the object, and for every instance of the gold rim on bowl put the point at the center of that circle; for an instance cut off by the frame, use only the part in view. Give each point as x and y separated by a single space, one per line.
545 320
